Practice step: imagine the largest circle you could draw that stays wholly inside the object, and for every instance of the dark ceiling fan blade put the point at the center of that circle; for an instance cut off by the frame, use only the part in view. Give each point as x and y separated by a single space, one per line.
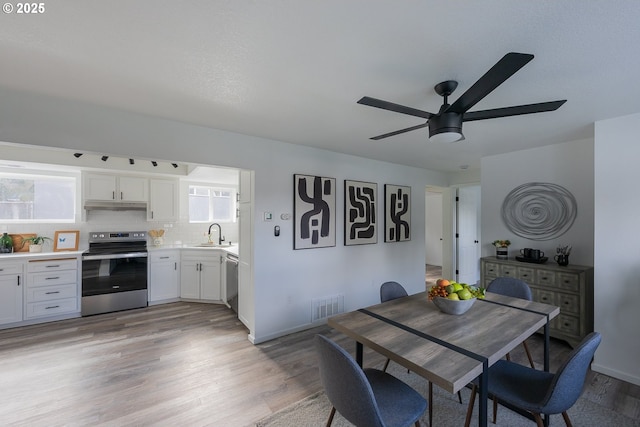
398 132
512 111
386 105
501 71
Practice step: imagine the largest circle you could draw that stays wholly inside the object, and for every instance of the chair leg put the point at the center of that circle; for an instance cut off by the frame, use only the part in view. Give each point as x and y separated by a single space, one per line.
330 420
538 419
472 400
495 409
526 349
508 356
430 403
567 421
386 365
460 397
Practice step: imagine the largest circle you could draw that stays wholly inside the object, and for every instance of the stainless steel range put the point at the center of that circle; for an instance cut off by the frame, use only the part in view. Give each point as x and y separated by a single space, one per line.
114 272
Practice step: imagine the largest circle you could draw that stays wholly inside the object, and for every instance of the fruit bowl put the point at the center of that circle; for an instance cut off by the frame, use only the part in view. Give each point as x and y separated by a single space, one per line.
451 306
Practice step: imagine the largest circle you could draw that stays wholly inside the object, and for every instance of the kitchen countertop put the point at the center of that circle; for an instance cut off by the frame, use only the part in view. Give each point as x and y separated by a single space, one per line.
36 255
232 249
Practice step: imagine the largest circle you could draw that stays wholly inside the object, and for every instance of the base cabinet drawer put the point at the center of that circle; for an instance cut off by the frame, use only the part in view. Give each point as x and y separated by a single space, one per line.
47 293
52 278
51 308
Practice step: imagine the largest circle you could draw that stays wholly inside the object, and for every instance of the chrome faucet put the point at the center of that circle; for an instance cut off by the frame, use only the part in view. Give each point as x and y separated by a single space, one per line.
220 237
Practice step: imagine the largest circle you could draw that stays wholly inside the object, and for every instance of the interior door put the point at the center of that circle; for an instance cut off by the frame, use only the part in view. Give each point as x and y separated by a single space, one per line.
468 233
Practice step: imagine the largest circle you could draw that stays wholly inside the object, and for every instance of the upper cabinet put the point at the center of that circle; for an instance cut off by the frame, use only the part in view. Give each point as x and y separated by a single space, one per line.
115 188
163 200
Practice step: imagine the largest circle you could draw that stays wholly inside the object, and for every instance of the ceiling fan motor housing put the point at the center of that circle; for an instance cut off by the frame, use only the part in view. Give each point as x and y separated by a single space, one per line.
445 123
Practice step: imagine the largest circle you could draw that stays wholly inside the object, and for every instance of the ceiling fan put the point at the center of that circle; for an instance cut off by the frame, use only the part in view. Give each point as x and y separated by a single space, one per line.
446 125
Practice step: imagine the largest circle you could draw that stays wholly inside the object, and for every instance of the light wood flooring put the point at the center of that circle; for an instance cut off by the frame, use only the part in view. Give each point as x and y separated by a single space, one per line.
181 364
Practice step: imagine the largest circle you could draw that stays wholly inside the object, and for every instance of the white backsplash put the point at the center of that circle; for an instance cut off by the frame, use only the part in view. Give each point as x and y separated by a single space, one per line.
175 233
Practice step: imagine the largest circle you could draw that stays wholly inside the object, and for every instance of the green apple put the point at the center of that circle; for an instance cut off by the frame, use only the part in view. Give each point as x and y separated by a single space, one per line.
464 294
450 289
453 296
457 287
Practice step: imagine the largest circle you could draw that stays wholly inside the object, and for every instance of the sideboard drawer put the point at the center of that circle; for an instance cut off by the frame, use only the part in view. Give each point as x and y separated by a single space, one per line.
568 324
545 278
491 270
51 308
53 278
569 281
508 270
546 297
527 274
568 303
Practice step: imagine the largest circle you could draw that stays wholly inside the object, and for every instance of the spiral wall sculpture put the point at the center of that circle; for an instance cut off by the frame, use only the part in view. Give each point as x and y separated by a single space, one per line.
539 210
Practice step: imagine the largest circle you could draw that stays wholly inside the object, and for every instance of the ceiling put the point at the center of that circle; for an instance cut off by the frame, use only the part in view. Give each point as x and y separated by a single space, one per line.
292 70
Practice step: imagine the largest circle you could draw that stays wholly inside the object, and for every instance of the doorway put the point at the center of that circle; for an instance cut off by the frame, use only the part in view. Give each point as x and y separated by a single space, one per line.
434 229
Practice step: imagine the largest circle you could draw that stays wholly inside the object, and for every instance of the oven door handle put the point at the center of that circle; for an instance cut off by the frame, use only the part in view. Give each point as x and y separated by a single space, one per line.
115 256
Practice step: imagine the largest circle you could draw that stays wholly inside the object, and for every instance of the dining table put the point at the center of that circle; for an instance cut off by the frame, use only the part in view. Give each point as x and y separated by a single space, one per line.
451 351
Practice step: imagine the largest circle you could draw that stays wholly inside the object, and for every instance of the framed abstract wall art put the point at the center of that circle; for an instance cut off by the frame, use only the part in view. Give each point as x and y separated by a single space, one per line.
360 213
314 211
397 213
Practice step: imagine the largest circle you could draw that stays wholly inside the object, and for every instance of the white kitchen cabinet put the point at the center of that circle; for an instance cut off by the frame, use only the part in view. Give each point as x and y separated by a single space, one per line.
164 276
11 284
98 186
163 200
52 287
200 275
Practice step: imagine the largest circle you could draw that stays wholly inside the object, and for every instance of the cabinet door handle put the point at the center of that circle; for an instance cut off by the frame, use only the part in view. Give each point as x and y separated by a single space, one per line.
18 280
164 257
113 195
53 292
52 278
52 266
121 196
53 306
175 266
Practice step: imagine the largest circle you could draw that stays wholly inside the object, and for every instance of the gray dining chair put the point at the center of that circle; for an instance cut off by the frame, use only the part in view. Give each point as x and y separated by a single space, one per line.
369 397
515 288
540 392
390 291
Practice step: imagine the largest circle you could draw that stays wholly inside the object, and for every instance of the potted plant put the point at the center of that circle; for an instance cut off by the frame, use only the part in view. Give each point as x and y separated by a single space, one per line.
35 242
502 251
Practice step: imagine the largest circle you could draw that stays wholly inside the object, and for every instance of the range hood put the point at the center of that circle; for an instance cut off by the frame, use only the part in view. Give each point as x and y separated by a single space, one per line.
94 205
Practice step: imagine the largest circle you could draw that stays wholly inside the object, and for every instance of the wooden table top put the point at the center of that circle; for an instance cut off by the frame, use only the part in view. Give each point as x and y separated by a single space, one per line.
412 332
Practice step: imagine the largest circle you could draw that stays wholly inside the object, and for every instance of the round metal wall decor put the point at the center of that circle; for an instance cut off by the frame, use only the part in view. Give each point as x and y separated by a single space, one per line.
539 210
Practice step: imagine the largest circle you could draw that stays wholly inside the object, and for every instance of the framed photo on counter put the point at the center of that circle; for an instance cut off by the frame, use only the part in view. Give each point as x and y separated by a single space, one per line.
66 240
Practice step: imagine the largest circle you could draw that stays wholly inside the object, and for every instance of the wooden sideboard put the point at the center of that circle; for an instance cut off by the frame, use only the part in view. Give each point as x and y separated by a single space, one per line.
570 288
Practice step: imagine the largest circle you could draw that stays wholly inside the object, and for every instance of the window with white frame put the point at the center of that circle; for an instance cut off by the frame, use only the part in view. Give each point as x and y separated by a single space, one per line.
37 198
211 204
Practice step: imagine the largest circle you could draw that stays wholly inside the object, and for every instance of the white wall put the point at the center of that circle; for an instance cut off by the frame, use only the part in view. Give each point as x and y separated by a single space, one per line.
617 256
568 164
285 281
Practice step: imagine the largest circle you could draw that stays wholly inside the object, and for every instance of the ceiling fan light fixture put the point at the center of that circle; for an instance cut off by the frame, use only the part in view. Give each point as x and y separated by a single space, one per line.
445 136
445 128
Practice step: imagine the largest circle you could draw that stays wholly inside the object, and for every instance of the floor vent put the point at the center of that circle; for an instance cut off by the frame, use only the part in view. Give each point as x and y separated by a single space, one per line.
327 307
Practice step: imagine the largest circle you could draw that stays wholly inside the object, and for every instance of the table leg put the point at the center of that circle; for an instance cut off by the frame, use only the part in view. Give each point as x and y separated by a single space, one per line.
484 396
359 353
546 360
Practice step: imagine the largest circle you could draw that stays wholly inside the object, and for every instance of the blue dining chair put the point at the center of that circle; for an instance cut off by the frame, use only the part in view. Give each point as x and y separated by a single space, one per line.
369 397
540 392
515 288
390 291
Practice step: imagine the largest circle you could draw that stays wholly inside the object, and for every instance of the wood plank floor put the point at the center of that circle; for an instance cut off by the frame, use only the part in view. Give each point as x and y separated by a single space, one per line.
180 364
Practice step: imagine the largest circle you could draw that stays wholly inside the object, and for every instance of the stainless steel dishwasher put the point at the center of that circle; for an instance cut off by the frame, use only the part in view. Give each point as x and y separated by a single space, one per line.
232 281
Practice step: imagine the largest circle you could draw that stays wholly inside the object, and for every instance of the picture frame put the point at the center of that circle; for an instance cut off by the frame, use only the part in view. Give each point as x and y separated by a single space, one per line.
66 240
397 213
360 213
314 211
